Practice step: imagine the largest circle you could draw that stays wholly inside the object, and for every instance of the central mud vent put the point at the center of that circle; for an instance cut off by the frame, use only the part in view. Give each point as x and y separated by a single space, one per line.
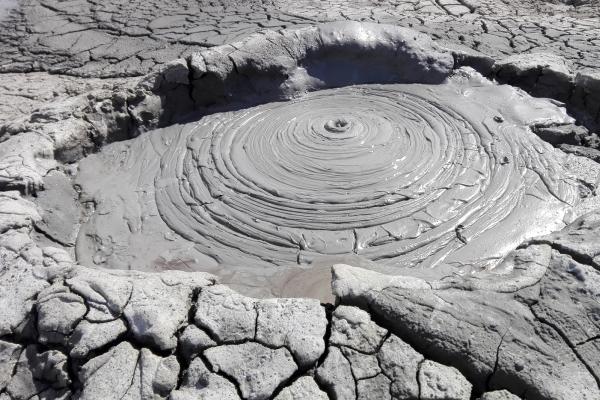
426 177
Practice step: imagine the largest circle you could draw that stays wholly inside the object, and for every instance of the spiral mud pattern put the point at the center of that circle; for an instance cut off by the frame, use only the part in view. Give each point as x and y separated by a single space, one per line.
397 174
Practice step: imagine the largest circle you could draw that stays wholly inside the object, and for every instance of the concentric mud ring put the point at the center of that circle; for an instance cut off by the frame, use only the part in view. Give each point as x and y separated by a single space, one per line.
395 173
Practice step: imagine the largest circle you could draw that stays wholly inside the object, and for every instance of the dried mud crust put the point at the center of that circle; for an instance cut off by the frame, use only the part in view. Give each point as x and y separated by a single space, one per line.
67 331
24 94
114 38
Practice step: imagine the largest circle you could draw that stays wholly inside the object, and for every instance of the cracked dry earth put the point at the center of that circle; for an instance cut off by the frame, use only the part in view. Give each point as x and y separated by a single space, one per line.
248 200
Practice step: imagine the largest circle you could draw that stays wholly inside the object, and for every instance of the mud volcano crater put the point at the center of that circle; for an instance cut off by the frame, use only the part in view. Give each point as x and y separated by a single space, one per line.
344 211
372 146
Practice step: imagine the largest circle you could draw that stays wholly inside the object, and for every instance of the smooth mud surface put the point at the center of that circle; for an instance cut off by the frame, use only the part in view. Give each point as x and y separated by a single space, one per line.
426 180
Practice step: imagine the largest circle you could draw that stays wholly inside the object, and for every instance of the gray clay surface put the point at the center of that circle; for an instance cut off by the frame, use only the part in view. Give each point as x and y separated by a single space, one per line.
299 200
420 179
112 38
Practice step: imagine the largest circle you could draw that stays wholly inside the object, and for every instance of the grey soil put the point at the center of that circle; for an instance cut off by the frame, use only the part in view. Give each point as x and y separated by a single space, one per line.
226 200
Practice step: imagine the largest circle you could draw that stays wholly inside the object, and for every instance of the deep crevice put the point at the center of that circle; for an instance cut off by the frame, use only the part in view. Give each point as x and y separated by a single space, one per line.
329 308
182 360
491 375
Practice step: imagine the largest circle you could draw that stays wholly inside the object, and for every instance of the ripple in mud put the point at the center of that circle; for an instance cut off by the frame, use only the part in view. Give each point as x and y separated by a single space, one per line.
385 173
401 175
